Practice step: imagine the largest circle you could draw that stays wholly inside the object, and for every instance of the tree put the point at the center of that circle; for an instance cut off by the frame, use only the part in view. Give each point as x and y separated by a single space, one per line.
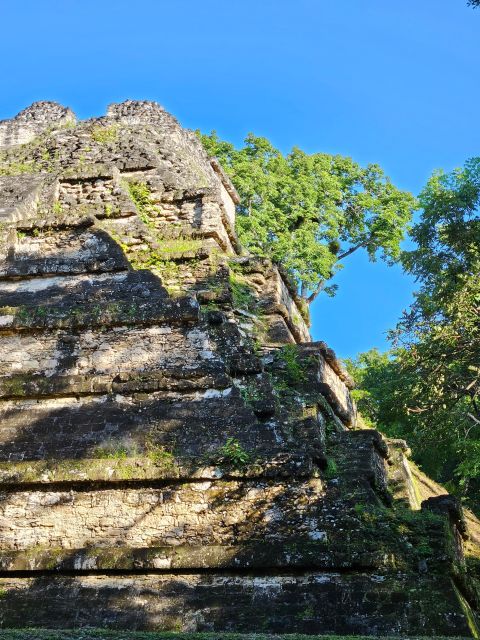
473 3
380 391
309 212
434 367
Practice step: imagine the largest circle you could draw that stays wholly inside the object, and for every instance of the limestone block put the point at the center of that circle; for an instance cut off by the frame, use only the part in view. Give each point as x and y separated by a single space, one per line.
274 296
19 196
63 252
325 375
95 353
215 513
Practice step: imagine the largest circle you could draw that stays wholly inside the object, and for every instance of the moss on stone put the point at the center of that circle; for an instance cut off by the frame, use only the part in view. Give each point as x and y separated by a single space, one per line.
109 634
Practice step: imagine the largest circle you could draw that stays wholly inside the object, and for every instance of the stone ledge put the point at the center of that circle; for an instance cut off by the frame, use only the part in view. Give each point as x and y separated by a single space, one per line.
331 359
172 379
58 223
168 468
183 310
227 183
287 603
71 251
293 554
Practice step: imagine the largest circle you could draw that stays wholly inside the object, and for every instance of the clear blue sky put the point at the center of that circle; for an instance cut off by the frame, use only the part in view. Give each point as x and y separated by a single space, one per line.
388 81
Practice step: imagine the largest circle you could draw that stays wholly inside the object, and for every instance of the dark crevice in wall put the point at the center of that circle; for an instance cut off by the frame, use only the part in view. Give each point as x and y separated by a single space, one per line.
119 485
273 571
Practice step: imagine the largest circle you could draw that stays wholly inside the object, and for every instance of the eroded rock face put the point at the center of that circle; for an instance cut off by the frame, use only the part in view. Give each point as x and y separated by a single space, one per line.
33 121
175 452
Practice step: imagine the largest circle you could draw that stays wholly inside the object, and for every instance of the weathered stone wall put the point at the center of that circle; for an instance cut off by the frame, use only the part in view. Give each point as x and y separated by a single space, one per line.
200 513
32 121
96 353
175 452
353 604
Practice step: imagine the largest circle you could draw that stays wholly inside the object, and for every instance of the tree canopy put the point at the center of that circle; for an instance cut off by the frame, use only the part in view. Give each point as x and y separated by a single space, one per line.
427 389
309 212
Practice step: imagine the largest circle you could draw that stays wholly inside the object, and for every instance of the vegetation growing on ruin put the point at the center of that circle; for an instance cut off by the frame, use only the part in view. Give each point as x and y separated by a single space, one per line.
103 134
167 241
250 392
331 470
242 292
140 194
14 168
231 454
309 212
158 454
38 155
294 369
113 450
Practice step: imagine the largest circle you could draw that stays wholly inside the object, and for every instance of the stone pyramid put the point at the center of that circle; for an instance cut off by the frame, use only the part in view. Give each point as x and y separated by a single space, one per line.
175 452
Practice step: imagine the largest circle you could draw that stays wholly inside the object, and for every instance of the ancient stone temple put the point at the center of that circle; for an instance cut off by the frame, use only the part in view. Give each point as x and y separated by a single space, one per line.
175 452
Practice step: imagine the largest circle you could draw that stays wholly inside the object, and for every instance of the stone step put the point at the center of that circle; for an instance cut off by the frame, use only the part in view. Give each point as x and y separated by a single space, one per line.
192 424
123 358
136 311
154 465
261 555
73 290
352 603
63 252
241 511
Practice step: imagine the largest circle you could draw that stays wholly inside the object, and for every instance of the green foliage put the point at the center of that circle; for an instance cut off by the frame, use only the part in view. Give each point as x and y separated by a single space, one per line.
160 456
140 194
166 241
294 369
114 450
103 135
107 210
309 212
242 292
250 393
379 391
178 246
427 389
13 168
232 454
118 453
331 471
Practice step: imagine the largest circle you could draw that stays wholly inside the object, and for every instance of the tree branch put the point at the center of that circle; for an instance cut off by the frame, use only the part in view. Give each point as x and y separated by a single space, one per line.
321 284
315 293
351 250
